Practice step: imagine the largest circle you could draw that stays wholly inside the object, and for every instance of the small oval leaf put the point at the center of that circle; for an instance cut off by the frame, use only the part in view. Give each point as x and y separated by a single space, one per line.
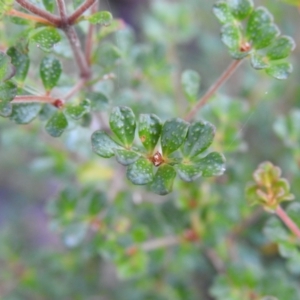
122 123
21 63
149 130
44 37
211 165
126 157
280 71
140 172
163 180
49 5
8 91
188 172
7 70
241 9
231 36
102 18
259 61
57 124
223 13
173 135
50 70
103 145
76 112
24 113
281 48
199 137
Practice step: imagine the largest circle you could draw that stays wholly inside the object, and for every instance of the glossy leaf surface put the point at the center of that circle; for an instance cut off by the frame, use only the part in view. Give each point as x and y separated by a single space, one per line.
241 8
45 37
8 91
190 81
102 18
7 70
20 61
24 113
223 13
280 70
126 157
188 172
281 48
211 165
57 124
50 71
77 111
140 172
163 180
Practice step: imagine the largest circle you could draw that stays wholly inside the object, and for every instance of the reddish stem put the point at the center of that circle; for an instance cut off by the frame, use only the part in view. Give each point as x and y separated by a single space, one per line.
53 19
22 15
80 10
225 75
89 38
31 99
288 221
62 11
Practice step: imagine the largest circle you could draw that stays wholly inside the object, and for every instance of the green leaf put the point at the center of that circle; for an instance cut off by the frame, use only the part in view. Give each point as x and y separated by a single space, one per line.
163 180
293 211
122 123
50 70
275 231
49 5
76 112
103 145
280 70
140 172
77 3
188 172
57 124
7 70
102 17
241 9
149 130
281 48
231 36
190 81
173 135
223 13
199 137
20 61
126 157
44 37
211 165
260 29
8 91
259 61
99 101
24 113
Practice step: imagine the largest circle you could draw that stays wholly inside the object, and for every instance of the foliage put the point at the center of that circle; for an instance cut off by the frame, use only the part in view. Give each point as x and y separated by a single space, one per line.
78 224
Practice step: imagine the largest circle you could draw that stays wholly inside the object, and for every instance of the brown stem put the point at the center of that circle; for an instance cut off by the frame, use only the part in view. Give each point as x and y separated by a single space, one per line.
75 89
31 99
53 19
160 243
89 39
16 13
225 75
62 11
78 53
80 10
215 260
288 221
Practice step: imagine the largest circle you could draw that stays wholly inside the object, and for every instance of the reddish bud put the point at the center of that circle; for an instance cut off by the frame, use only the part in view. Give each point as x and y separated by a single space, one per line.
157 159
245 47
190 235
131 250
58 103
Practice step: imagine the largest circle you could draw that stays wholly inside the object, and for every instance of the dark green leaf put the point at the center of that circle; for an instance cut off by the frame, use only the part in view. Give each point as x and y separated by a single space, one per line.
173 135
211 165
126 157
149 130
7 70
280 70
8 91
24 113
140 172
103 145
102 17
260 29
77 3
20 61
49 5
231 36
259 61
199 137
99 101
50 70
122 123
163 180
57 124
188 172
281 48
223 13
190 81
44 37
77 111
241 8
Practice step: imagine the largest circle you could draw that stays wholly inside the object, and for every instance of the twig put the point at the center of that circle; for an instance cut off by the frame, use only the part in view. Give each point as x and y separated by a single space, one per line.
215 260
16 13
62 11
53 19
288 221
80 10
75 89
226 74
160 243
89 38
33 99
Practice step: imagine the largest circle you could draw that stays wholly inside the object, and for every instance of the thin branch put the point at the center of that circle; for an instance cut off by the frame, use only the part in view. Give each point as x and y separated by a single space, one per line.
160 243
72 36
62 11
80 10
89 38
226 74
215 260
16 13
53 19
75 89
33 99
288 221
